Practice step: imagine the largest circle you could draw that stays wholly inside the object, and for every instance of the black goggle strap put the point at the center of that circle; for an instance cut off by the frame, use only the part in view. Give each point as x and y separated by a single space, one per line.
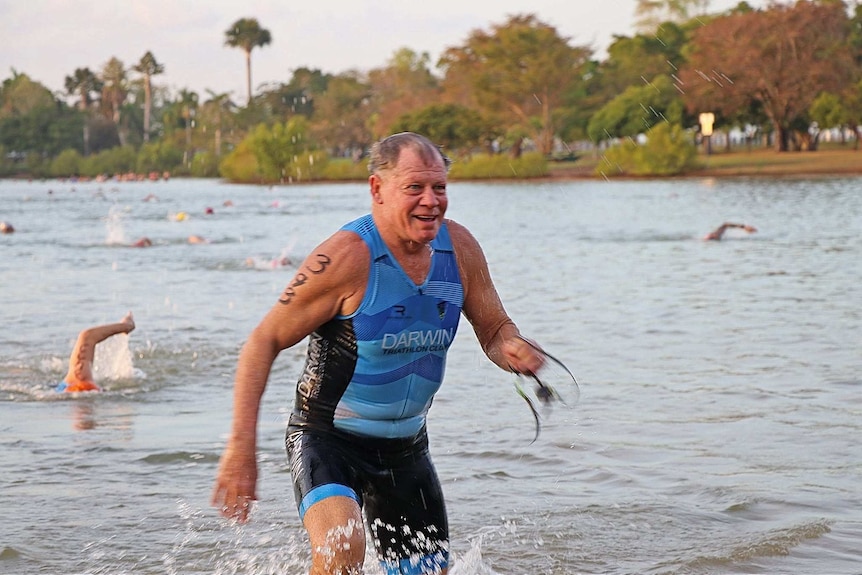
544 392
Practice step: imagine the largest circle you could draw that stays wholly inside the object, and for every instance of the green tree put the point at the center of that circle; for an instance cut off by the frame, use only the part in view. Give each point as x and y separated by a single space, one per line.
66 164
158 157
181 114
296 97
217 115
117 160
43 131
451 126
649 14
520 71
179 119
633 61
34 122
19 95
341 115
284 151
856 33
637 110
84 83
668 151
148 67
852 105
115 88
828 111
247 34
404 85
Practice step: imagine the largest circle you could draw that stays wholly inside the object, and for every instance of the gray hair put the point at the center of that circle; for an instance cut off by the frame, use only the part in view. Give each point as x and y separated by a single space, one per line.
384 154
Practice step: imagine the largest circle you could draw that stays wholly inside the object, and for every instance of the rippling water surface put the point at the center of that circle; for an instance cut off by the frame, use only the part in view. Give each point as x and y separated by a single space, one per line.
717 429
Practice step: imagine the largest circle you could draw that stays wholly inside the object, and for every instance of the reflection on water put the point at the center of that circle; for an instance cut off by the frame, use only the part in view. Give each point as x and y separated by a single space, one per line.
716 429
83 416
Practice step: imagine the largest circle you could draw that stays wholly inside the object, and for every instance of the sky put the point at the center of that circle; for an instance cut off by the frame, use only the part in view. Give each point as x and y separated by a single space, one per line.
49 39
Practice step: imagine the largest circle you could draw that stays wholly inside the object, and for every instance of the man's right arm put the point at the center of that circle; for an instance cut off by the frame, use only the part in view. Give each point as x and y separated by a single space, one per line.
329 282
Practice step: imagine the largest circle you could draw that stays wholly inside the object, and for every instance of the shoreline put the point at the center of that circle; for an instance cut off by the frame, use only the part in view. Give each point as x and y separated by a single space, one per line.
832 161
844 161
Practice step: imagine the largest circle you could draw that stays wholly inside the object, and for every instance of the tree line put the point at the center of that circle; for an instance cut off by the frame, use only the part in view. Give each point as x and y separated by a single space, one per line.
788 72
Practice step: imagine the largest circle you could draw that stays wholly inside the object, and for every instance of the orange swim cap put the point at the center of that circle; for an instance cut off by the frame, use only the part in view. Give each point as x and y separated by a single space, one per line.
82 386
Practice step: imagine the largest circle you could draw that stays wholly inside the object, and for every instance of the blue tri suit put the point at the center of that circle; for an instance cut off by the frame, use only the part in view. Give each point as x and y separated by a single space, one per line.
358 425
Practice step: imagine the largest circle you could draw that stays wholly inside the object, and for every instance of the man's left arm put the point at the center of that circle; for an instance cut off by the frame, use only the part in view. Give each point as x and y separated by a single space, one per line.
497 333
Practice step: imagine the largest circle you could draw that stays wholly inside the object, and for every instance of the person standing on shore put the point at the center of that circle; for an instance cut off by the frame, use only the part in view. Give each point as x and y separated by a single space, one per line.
380 300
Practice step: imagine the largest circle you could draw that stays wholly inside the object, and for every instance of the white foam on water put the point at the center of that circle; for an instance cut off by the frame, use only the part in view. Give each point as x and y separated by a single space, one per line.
115 232
113 359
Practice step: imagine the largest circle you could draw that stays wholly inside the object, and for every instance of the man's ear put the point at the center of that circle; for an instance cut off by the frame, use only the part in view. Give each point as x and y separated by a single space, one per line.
374 184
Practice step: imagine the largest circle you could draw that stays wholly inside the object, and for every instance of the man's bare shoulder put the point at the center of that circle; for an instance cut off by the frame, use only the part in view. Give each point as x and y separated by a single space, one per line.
330 280
343 254
468 254
459 233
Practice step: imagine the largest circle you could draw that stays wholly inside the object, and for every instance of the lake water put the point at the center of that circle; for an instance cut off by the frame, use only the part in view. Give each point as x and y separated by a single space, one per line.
720 412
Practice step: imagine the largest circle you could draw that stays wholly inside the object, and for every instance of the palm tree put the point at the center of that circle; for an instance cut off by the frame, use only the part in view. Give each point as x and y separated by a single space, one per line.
84 83
114 92
188 101
148 67
247 34
217 111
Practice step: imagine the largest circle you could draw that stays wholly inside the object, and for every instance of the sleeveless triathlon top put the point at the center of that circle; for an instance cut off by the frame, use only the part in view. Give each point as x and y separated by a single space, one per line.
375 372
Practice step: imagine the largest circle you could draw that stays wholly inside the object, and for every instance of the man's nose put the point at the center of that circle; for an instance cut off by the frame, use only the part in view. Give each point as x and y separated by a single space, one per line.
429 196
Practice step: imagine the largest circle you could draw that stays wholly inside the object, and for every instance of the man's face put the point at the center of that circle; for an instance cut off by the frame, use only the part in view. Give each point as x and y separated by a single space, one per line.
411 197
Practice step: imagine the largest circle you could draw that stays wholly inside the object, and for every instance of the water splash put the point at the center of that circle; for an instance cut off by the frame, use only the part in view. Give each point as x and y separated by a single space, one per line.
113 359
115 233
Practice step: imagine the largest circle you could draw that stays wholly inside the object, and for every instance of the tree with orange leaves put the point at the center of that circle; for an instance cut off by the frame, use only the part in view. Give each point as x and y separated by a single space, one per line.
780 58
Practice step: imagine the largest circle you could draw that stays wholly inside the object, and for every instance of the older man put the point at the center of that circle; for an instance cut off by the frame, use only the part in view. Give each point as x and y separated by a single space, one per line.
380 299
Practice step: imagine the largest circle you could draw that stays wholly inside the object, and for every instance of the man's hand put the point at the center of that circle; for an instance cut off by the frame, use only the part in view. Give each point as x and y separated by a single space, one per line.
523 356
235 483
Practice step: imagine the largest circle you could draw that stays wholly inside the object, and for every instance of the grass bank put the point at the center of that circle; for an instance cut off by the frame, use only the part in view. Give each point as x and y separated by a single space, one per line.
756 162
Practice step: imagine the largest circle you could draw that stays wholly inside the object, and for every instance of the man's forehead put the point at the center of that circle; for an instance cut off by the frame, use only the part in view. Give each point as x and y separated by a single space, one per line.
419 171
409 160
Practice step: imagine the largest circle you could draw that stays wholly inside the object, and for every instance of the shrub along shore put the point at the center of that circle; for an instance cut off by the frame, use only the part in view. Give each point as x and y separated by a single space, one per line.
831 161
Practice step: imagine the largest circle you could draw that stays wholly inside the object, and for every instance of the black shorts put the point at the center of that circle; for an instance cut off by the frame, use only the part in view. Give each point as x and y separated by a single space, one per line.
393 480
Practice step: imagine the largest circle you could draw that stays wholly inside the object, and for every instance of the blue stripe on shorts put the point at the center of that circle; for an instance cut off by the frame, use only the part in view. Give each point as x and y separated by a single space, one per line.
321 492
417 565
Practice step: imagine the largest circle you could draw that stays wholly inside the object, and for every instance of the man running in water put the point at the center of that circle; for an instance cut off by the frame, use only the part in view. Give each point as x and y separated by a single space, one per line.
80 375
380 300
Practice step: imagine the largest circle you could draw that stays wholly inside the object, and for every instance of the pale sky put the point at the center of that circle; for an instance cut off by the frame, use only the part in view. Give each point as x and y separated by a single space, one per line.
49 39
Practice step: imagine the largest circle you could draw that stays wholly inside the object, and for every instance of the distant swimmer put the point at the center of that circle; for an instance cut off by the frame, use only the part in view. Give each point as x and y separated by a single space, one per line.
80 374
268 264
6 228
193 239
144 242
719 231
